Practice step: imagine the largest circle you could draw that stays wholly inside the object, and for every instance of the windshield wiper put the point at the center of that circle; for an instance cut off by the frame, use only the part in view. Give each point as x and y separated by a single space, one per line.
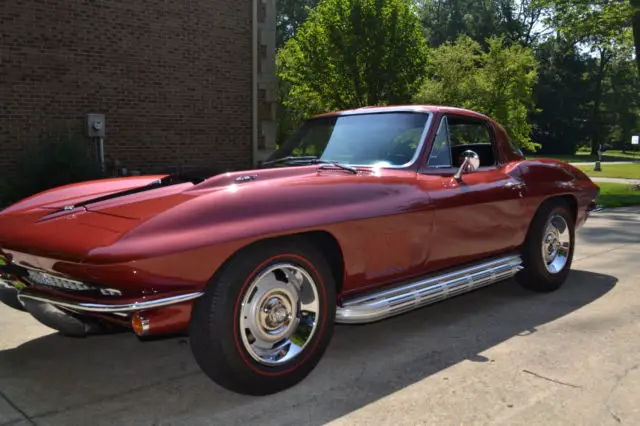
335 164
289 158
310 159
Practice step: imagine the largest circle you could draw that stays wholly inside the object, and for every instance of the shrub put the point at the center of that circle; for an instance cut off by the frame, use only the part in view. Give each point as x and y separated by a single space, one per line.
49 163
7 195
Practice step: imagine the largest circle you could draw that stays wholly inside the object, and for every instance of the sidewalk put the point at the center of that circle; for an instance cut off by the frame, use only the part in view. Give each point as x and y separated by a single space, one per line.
616 180
591 163
623 211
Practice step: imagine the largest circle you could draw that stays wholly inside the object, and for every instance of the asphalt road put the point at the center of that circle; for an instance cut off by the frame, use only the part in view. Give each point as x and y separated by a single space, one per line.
500 355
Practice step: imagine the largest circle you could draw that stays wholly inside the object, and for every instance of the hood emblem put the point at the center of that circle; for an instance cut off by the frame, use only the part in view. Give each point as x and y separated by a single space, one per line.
246 178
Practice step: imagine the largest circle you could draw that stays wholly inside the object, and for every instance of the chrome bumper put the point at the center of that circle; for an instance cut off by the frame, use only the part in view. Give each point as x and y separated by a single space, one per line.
111 308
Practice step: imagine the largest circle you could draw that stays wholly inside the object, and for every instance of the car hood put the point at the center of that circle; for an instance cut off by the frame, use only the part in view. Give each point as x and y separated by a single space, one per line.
69 222
60 223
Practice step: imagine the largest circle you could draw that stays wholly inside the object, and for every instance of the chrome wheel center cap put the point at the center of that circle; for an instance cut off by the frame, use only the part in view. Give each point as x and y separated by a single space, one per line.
276 313
553 244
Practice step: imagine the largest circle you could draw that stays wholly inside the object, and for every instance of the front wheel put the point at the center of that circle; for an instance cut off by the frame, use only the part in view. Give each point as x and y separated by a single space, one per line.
548 250
266 318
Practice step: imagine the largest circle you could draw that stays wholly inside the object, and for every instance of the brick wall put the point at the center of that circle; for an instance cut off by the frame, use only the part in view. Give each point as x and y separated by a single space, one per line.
173 77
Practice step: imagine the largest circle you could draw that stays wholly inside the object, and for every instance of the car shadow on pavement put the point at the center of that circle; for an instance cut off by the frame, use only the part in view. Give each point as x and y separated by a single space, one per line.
117 379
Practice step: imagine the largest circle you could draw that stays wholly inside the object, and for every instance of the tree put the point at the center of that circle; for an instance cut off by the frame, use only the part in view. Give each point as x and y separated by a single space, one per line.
635 23
497 82
352 53
598 15
445 20
562 96
291 14
530 18
621 103
516 20
604 26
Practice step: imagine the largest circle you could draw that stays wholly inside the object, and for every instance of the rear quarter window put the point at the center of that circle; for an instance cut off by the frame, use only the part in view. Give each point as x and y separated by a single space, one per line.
514 147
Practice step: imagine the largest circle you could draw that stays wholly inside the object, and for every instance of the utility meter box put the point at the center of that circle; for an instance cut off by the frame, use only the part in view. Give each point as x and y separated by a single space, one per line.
95 125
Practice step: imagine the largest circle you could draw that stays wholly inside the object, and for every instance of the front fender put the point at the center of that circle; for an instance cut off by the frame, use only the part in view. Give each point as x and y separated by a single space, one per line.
239 215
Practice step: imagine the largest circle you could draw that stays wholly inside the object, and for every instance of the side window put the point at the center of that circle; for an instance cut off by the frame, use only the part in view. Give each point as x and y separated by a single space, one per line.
440 155
514 147
465 133
471 134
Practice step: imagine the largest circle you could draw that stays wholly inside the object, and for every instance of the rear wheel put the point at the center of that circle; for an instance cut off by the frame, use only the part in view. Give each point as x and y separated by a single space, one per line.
265 319
548 250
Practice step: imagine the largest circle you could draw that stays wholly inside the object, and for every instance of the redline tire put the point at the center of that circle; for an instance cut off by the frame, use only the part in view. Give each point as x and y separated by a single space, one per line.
542 271
223 348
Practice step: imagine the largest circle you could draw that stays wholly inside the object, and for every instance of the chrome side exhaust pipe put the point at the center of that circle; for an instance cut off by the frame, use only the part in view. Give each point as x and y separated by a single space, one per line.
63 321
393 301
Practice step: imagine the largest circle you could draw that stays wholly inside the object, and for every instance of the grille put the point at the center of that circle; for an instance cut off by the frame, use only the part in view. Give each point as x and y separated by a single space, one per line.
49 280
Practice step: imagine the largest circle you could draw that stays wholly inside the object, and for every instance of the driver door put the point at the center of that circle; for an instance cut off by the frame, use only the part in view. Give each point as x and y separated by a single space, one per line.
480 215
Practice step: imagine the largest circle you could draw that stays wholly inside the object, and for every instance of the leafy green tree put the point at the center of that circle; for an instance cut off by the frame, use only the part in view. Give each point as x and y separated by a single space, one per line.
604 26
516 20
598 19
635 22
586 93
352 53
562 98
621 103
498 82
445 20
291 14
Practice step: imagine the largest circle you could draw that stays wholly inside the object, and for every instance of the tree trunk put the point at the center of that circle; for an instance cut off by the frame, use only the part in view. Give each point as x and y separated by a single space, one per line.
595 119
635 21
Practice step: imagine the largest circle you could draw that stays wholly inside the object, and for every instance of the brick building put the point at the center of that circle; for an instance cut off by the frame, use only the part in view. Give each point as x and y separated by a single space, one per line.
180 82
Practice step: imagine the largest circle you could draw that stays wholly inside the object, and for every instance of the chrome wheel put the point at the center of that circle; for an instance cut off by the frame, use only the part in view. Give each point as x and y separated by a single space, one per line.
279 314
556 244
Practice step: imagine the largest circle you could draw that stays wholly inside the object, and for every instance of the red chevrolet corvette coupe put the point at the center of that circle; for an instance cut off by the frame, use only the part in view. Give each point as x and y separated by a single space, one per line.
361 215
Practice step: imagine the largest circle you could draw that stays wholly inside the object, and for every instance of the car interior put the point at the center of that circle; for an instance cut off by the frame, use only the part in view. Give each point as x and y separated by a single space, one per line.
484 151
464 134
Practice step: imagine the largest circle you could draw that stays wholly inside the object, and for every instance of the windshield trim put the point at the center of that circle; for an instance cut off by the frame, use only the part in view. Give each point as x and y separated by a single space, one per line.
419 148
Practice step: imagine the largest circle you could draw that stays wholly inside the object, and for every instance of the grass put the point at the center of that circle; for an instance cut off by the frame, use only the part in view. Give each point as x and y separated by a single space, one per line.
618 195
584 156
625 171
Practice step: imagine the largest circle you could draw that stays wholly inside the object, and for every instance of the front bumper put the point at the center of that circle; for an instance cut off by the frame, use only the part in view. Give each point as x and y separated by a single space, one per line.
160 314
68 293
80 306
136 306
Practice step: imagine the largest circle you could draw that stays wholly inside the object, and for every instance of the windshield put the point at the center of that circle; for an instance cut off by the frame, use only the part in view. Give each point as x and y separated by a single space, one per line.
382 139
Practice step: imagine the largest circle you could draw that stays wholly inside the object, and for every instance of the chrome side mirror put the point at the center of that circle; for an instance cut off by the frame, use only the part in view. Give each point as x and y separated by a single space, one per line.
469 163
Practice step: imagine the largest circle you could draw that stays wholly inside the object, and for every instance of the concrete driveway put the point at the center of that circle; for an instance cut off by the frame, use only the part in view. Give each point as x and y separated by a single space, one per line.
500 355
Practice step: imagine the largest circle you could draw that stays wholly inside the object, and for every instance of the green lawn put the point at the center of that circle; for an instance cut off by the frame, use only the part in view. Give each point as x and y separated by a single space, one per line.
626 171
618 195
583 157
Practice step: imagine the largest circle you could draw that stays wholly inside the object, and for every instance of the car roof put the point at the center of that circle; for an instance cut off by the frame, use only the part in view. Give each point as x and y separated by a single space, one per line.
407 108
